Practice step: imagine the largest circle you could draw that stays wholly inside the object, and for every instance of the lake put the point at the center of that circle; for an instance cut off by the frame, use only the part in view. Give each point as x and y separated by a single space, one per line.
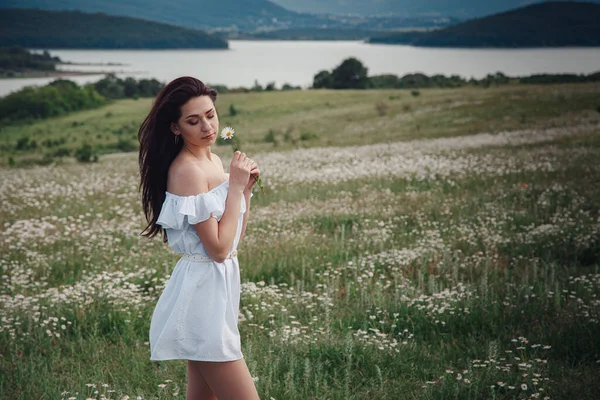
296 62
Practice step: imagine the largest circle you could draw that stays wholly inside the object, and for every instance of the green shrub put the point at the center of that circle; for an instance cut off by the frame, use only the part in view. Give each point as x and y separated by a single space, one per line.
86 153
287 86
23 144
232 110
382 108
126 145
58 98
270 137
61 152
308 136
415 93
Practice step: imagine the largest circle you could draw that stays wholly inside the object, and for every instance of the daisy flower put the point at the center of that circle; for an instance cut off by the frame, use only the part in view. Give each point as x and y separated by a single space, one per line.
227 133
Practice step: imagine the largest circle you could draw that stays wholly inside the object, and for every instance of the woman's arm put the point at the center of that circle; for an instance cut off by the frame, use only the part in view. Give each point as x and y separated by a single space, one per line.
216 236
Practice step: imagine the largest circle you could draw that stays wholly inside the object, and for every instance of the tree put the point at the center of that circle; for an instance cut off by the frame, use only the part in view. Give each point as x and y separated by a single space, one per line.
323 80
350 74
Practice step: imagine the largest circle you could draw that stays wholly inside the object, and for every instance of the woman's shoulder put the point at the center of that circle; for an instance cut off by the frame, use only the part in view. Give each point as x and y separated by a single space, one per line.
218 161
186 178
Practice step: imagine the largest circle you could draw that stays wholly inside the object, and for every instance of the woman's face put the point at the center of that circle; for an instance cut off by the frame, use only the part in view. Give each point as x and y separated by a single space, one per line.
198 124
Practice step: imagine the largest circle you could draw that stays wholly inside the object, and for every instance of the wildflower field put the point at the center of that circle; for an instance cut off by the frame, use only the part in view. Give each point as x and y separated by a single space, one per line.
439 246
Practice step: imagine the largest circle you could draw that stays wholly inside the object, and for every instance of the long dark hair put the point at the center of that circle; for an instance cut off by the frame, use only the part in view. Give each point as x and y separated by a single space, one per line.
159 146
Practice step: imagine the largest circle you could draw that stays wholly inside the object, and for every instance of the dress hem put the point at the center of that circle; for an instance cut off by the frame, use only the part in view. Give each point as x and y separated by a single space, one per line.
195 359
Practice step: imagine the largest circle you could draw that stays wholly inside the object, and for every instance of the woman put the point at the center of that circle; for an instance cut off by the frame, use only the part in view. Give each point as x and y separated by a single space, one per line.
202 212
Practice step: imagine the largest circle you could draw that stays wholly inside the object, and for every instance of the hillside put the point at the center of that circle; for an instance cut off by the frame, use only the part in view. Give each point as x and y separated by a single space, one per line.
462 9
195 14
311 34
551 24
74 29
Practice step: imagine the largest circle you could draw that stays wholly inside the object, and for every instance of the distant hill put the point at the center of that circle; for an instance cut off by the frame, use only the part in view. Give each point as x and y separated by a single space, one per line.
462 9
550 24
310 34
195 14
74 29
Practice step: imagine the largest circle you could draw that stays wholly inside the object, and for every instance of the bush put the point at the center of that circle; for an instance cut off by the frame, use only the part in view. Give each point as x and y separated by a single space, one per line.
322 80
126 145
113 87
219 88
270 137
257 87
287 86
86 153
415 93
232 110
54 142
350 74
382 108
22 144
58 98
308 136
61 152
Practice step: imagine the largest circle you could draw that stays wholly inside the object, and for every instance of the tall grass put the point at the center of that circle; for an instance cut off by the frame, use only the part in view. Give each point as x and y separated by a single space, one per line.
449 270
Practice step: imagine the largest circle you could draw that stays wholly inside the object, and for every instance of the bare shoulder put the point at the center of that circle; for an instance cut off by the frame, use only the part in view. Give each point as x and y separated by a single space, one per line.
186 178
218 161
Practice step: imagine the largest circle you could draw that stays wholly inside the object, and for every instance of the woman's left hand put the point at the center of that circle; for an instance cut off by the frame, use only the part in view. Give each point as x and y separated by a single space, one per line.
254 174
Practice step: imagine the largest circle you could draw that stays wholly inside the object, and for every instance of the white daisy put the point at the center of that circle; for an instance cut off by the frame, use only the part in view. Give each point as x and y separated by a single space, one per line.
227 132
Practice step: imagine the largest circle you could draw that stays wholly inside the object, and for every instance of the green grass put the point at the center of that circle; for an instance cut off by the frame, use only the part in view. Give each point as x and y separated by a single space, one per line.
321 118
458 286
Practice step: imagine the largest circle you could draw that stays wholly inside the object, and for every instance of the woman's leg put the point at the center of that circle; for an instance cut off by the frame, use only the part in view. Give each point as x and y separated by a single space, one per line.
228 380
197 388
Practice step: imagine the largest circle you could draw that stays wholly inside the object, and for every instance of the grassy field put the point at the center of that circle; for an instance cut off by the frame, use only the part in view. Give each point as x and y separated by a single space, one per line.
287 120
440 246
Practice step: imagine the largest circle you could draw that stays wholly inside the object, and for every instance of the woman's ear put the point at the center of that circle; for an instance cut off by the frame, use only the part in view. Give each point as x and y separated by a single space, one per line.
174 128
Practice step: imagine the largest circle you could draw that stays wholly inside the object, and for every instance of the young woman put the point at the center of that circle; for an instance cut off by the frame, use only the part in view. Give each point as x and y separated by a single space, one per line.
202 212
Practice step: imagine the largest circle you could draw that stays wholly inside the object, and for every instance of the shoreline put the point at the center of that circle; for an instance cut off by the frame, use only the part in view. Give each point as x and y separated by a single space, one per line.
51 74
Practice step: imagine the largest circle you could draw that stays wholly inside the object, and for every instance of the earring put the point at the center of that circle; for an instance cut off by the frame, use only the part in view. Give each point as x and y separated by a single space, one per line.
177 139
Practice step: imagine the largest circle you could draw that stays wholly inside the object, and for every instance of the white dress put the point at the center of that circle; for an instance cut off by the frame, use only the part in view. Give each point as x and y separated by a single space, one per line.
196 315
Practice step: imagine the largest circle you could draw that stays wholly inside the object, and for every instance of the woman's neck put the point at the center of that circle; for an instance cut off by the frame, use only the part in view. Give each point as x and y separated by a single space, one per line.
201 153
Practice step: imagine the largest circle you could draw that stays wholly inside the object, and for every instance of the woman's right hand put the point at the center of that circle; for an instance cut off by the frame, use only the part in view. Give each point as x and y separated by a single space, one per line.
239 171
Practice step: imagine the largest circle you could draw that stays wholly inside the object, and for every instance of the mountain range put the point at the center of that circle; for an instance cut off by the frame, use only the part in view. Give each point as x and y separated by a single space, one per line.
462 9
548 24
32 28
196 14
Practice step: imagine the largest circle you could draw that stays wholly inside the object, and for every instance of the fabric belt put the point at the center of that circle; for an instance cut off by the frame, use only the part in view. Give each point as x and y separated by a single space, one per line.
199 258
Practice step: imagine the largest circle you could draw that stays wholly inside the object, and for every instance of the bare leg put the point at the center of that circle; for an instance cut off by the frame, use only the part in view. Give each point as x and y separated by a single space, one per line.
230 380
197 388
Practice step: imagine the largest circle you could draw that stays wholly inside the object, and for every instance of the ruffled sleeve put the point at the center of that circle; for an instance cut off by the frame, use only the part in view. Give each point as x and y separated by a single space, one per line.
178 210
